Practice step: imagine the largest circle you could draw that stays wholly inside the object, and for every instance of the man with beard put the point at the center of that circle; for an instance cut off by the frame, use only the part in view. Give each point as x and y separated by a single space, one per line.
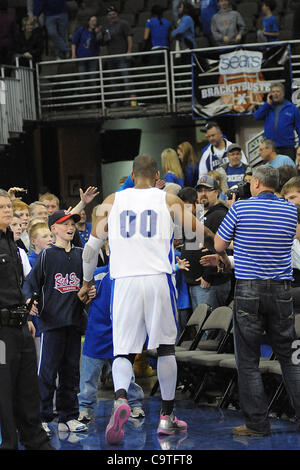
206 285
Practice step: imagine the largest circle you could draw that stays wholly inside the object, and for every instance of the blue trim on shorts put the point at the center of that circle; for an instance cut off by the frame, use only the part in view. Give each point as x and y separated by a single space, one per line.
112 299
172 296
170 256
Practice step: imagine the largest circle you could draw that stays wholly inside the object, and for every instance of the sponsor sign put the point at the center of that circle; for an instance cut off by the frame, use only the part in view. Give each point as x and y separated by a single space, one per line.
237 82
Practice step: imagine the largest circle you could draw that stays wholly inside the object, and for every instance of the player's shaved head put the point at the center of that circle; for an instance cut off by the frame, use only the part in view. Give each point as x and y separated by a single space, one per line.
145 166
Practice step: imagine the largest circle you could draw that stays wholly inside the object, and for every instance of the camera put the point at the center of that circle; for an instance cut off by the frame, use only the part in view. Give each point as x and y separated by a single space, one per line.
241 190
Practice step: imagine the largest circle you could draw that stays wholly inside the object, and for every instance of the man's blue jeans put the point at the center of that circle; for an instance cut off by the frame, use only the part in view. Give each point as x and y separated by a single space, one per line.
263 306
89 378
215 296
57 26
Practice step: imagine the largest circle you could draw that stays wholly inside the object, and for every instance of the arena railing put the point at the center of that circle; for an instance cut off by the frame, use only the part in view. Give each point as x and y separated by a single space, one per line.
4 131
163 88
140 80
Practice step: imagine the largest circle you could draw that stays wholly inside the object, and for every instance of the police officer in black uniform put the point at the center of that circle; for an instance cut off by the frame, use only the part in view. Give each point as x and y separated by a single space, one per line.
19 392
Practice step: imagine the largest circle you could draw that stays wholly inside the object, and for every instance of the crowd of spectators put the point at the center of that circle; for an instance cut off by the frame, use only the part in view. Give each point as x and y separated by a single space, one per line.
67 29
207 186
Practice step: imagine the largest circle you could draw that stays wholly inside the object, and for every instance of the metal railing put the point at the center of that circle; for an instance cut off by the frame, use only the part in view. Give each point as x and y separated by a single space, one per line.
155 79
148 83
17 99
4 132
104 82
26 75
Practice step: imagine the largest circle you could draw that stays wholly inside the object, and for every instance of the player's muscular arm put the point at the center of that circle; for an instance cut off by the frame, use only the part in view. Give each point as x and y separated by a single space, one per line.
188 221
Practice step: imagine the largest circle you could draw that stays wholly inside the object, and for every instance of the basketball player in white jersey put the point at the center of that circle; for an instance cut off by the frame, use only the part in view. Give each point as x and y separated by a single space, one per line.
139 224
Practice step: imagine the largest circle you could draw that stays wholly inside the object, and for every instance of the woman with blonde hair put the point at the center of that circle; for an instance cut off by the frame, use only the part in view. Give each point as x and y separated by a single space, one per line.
30 44
171 167
189 163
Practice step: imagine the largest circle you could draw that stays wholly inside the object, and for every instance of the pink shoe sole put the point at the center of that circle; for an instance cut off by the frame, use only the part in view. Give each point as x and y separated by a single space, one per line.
114 432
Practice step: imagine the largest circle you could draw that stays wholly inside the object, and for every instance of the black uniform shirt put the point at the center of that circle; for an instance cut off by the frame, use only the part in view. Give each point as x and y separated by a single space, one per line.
10 271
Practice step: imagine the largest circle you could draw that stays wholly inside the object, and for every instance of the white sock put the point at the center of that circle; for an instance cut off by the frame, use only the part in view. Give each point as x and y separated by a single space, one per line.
121 372
167 376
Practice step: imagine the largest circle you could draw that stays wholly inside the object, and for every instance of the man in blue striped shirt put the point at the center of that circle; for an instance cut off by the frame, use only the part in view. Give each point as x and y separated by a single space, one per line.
262 229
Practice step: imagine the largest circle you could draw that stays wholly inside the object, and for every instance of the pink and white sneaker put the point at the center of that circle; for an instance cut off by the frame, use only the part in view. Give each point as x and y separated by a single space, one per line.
114 433
169 424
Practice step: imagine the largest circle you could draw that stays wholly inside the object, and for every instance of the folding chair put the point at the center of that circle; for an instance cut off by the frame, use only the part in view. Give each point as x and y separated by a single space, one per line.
194 366
194 328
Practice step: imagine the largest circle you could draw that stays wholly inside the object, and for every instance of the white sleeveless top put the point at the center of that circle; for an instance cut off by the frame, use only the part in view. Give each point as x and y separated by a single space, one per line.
140 233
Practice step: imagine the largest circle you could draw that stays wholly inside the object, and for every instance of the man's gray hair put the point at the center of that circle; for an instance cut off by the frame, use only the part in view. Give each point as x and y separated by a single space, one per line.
278 84
4 193
33 205
267 175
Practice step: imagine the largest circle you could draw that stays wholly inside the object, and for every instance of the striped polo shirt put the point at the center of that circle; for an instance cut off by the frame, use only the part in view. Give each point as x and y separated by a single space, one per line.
262 229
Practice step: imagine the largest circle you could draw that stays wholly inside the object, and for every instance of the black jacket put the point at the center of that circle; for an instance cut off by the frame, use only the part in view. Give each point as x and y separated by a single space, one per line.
11 271
57 277
212 219
34 44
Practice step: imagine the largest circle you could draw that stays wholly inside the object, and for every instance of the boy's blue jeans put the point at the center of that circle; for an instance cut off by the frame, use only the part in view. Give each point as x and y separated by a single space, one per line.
89 377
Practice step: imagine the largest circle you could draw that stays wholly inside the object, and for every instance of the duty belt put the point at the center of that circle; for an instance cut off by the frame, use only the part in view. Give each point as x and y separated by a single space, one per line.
13 316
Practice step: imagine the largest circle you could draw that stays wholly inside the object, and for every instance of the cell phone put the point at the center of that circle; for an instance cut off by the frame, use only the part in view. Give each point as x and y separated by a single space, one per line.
271 97
21 193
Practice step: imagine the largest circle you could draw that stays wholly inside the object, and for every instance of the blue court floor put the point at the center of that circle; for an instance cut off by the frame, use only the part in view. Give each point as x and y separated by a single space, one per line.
209 428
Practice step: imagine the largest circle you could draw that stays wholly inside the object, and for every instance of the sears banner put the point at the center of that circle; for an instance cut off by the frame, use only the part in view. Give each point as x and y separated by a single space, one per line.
235 82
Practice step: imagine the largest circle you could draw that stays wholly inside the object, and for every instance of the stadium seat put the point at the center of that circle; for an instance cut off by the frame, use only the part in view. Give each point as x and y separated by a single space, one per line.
162 3
267 366
129 17
287 22
286 35
208 352
133 6
202 41
247 9
143 17
189 338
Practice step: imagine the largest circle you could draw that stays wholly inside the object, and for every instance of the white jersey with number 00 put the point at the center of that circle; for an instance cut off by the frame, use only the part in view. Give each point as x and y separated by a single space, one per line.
140 232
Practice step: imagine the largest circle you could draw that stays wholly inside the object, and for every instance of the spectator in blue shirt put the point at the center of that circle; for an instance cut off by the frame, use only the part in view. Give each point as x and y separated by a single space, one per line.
158 28
281 118
208 9
85 43
267 151
262 229
185 32
271 31
158 32
56 22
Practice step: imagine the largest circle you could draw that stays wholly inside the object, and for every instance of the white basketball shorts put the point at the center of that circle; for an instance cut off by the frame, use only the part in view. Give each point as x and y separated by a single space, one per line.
141 306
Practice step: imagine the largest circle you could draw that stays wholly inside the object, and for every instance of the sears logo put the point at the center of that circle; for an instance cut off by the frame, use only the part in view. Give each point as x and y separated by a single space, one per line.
240 62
